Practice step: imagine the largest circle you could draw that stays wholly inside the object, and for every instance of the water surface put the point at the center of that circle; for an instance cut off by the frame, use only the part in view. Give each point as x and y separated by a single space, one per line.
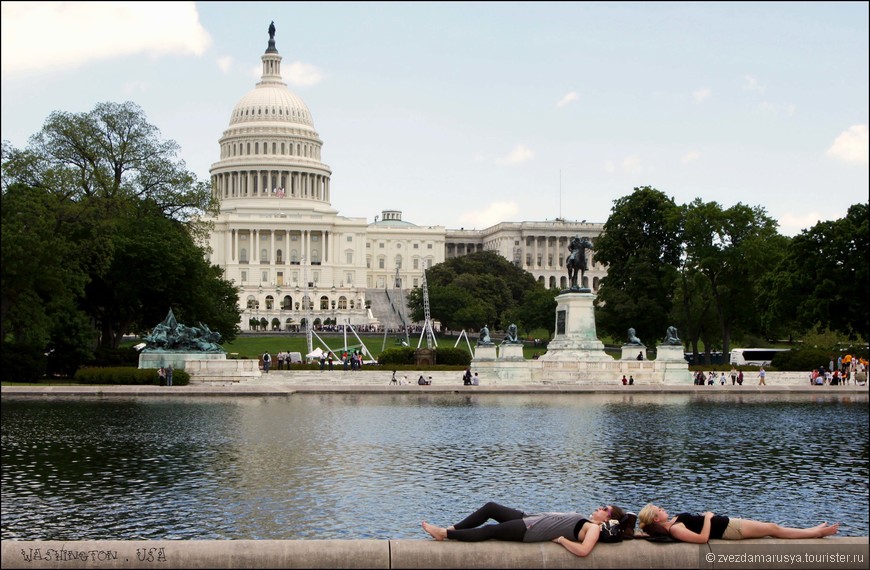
373 466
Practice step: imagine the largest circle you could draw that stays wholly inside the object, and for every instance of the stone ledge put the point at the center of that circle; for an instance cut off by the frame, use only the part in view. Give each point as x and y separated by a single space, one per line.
152 554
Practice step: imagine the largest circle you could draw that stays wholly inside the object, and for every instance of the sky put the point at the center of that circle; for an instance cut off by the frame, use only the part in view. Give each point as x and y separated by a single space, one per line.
466 114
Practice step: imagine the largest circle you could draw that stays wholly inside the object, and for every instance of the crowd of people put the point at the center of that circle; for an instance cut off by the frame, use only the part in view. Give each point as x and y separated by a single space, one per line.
579 533
845 370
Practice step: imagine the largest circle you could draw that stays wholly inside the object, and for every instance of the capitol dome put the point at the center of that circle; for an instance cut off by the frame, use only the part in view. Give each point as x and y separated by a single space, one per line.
271 101
270 151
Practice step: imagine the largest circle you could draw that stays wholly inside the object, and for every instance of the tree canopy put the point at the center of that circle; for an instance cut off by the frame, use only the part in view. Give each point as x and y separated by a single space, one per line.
480 289
102 233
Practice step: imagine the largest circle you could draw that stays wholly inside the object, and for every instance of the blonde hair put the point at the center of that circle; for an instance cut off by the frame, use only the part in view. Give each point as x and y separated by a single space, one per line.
647 515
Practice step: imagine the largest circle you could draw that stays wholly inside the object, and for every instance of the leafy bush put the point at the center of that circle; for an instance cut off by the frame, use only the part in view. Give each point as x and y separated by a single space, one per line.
398 355
21 362
452 356
127 376
801 358
123 356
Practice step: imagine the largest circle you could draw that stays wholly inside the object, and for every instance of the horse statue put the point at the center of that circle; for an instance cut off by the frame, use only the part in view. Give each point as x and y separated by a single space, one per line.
576 260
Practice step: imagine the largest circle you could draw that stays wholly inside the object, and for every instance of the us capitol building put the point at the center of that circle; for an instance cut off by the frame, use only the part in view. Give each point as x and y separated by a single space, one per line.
279 239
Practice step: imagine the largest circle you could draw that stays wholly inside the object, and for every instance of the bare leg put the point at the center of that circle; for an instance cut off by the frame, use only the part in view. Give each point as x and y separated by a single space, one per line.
437 532
756 529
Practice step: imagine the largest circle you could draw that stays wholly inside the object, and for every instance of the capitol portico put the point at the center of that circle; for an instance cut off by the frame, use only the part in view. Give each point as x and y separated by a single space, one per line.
279 239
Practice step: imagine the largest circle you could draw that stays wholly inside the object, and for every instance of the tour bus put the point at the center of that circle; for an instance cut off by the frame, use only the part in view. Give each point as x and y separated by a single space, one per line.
754 356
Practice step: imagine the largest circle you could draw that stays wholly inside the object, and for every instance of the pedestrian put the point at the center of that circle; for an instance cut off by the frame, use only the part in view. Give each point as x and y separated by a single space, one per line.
267 362
161 375
733 376
740 378
393 379
169 375
761 375
475 381
631 380
624 380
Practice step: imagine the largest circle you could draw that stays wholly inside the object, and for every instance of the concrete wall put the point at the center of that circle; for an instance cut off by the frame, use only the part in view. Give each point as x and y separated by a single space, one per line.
829 552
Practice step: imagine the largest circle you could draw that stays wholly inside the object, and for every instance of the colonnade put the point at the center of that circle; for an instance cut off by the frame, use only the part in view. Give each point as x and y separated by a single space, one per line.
274 255
272 184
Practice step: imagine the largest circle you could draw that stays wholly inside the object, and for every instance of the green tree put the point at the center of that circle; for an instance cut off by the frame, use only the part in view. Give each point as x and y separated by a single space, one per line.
473 290
822 279
730 250
119 222
640 245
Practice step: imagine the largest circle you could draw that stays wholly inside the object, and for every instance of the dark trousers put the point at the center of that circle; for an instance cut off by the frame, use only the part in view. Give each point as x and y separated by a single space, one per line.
510 525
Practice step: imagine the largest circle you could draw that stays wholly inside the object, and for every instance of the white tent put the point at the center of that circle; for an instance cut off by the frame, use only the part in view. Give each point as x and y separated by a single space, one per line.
316 353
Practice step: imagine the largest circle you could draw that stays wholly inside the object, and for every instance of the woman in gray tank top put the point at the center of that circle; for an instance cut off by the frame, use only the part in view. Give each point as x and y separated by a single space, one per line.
576 532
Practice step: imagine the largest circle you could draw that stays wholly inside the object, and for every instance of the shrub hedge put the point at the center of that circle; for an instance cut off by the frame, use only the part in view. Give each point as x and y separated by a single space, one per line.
127 376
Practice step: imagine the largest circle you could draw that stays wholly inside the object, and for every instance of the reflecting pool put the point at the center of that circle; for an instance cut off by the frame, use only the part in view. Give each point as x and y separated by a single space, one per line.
342 466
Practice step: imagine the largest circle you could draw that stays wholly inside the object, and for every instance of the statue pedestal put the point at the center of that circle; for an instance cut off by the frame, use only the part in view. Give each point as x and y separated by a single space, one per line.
510 352
178 360
670 352
630 351
485 352
575 337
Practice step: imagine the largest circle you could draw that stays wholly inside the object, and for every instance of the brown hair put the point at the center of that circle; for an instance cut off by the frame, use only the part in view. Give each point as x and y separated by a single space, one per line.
626 521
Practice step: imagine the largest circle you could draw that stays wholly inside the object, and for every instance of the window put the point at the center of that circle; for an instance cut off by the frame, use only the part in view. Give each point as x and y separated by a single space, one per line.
270 302
243 255
253 303
350 258
399 261
428 246
381 245
416 263
349 239
342 303
265 277
416 246
349 279
264 255
244 276
380 263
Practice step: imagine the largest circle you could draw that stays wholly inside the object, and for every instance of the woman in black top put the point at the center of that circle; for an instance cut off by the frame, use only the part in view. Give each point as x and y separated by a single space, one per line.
700 528
577 533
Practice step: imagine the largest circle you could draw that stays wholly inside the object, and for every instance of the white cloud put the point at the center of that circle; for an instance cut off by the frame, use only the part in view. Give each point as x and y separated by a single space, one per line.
632 165
701 94
788 109
225 63
520 153
609 166
134 87
494 213
38 36
851 145
303 74
690 156
568 98
791 224
750 83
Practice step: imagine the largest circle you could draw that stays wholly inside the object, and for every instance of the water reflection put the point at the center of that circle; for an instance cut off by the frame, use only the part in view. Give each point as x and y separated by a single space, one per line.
372 466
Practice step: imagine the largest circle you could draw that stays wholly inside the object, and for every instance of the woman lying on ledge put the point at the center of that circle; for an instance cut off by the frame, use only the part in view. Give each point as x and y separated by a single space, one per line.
688 527
577 533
